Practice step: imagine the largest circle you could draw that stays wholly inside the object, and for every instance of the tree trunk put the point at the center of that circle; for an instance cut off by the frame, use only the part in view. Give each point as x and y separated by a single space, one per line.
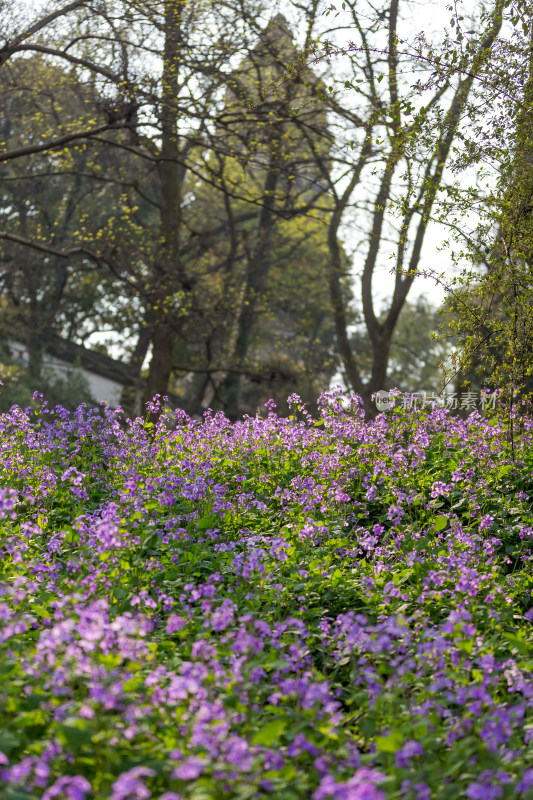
35 345
167 272
129 399
256 278
161 363
193 404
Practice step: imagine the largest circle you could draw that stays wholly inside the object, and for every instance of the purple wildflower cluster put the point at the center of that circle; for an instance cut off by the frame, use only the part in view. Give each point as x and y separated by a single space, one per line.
290 608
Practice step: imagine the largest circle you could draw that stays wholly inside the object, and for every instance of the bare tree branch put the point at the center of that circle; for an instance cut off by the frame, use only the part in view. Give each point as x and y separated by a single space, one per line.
61 141
13 45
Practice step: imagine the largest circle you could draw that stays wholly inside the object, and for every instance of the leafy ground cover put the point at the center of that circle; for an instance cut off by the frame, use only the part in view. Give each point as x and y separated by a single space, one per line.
287 608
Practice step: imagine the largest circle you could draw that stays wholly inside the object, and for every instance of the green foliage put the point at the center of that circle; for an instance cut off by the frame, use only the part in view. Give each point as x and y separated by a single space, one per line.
491 303
246 229
61 200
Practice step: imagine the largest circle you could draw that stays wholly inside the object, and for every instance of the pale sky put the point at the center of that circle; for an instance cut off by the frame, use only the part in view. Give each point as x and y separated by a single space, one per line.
431 17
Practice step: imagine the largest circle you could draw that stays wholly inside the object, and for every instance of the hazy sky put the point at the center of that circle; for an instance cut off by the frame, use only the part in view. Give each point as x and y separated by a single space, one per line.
431 17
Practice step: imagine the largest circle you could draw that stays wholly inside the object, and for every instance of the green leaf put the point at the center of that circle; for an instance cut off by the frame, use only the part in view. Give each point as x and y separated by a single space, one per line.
519 644
336 577
73 736
401 577
390 743
34 700
503 471
440 522
209 521
29 719
270 734
8 742
204 793
17 794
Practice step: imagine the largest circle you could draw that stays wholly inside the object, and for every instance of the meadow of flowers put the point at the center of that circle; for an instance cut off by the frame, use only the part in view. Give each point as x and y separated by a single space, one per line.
287 608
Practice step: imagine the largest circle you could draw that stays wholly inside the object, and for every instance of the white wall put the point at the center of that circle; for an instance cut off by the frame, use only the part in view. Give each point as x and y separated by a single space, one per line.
101 388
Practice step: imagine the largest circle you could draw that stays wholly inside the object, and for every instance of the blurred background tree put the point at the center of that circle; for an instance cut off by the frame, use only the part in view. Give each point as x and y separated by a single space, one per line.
56 201
419 349
222 290
267 328
176 178
491 303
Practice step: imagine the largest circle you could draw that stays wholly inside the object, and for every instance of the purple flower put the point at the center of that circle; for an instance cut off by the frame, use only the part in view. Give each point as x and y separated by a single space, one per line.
68 787
190 769
439 488
130 786
525 783
360 787
410 750
8 499
175 623
423 791
223 616
484 790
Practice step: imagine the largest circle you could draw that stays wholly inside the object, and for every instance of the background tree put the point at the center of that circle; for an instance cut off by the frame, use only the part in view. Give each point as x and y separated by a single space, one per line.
402 136
169 109
278 156
291 347
23 34
165 121
419 352
492 302
57 195
273 207
117 48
